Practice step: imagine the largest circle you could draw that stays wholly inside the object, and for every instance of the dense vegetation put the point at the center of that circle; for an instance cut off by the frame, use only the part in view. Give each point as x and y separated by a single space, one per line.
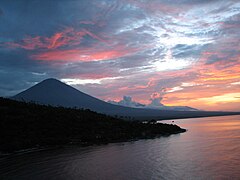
26 125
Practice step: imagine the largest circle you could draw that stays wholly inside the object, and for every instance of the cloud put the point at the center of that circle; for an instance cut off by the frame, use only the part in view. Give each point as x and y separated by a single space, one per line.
128 102
154 104
82 55
76 81
156 99
236 83
68 37
189 48
1 12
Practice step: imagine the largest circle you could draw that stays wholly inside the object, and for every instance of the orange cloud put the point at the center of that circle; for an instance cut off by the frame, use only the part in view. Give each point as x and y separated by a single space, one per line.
68 37
81 55
57 47
215 86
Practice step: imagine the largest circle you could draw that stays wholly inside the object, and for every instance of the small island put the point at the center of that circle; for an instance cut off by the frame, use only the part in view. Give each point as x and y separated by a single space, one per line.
28 125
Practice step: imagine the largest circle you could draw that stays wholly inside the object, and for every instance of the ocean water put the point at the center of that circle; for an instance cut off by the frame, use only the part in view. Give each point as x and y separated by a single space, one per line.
210 149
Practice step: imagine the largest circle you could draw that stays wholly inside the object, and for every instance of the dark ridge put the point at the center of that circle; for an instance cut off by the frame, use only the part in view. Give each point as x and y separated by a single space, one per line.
28 125
56 93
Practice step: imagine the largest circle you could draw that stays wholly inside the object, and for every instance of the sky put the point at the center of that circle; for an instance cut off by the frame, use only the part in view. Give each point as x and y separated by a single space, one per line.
178 52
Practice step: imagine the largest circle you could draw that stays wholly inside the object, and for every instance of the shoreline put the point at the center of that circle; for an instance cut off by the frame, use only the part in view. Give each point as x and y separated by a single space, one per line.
28 125
82 144
237 114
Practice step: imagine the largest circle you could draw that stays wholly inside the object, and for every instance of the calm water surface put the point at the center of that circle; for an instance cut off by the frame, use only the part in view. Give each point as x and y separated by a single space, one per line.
210 149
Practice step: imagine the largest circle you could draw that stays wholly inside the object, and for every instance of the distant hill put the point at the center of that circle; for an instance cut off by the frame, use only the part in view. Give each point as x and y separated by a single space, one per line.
175 108
128 102
56 93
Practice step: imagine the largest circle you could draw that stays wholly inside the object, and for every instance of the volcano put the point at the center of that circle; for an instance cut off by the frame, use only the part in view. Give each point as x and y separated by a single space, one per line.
56 93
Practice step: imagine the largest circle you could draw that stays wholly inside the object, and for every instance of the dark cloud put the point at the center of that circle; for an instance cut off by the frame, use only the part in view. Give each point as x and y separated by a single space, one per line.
184 51
127 46
213 59
1 12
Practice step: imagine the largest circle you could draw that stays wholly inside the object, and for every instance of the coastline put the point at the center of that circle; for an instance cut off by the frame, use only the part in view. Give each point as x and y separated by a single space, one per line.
82 144
28 125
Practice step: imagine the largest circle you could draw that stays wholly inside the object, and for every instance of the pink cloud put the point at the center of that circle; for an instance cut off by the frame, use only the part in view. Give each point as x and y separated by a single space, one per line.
88 54
67 37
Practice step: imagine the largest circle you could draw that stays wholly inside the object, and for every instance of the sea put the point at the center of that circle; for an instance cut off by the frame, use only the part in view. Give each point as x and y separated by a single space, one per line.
210 149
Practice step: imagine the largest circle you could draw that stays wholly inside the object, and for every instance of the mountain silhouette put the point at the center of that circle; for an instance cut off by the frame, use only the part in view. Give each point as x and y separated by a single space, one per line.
56 93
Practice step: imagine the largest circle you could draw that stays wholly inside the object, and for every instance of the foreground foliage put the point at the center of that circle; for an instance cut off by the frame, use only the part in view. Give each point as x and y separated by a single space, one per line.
27 125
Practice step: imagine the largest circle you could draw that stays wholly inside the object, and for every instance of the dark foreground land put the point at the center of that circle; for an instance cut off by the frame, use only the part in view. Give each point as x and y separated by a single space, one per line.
28 125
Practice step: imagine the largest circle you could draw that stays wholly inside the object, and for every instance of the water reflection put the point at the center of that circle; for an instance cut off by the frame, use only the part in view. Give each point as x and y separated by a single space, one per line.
208 150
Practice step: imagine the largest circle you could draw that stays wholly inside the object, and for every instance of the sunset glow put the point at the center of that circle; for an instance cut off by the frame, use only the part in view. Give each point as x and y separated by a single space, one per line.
187 52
